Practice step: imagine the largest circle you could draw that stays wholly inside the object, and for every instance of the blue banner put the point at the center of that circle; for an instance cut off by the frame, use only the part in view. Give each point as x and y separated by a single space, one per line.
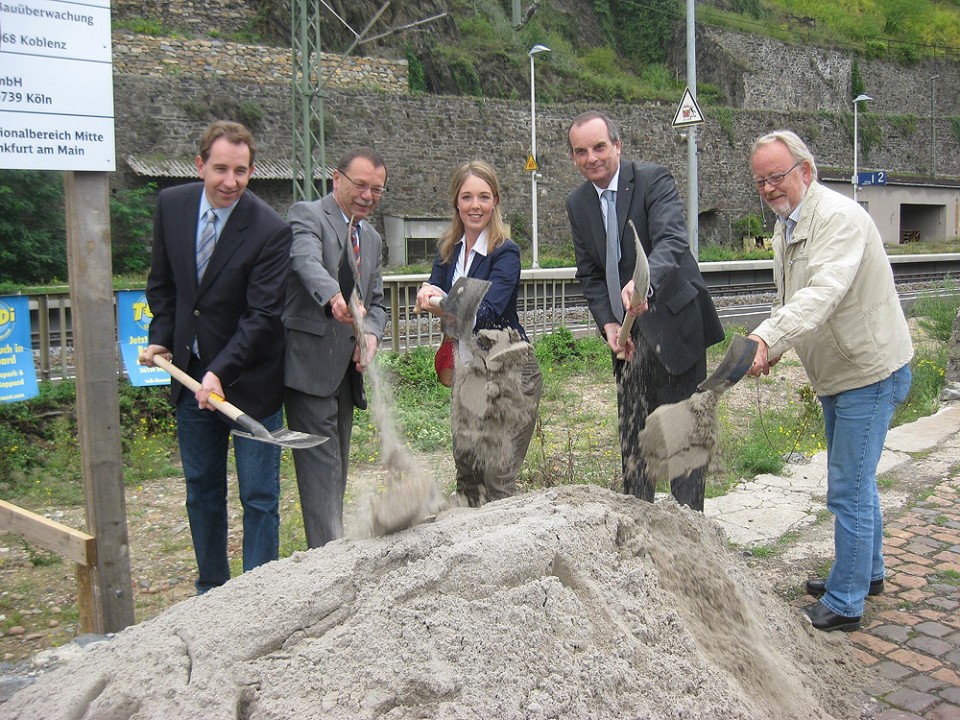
18 376
133 323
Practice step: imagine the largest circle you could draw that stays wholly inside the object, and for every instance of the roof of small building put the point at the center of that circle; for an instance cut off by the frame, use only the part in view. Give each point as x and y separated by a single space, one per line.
266 168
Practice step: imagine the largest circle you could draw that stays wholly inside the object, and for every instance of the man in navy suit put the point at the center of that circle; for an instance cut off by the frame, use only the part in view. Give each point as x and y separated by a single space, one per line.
217 316
324 362
675 323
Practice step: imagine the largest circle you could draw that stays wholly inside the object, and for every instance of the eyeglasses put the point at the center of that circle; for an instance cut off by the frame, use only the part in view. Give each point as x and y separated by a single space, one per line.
375 190
776 178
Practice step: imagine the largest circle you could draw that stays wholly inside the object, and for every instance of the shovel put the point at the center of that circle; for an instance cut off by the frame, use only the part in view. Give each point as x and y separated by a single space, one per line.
459 307
680 438
349 278
281 437
734 365
641 288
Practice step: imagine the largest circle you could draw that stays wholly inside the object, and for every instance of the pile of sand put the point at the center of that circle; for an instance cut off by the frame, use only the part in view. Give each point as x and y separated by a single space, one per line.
569 603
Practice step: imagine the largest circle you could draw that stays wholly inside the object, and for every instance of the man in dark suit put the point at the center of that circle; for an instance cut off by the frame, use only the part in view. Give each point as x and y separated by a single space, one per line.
216 314
324 362
666 351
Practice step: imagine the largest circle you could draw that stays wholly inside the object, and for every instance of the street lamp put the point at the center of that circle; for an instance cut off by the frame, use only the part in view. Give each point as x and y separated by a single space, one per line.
933 126
533 152
856 139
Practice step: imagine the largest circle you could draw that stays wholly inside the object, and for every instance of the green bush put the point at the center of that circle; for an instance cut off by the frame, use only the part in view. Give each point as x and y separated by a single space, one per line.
559 349
936 313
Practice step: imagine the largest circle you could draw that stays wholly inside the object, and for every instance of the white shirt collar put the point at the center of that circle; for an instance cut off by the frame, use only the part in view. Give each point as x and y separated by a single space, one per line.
614 182
463 261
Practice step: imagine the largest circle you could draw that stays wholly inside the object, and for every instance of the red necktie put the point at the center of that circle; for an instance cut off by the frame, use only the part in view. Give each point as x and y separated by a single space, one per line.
355 236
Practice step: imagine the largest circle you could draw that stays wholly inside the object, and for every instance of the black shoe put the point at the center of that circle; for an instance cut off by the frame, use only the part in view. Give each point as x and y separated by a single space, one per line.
818 587
823 618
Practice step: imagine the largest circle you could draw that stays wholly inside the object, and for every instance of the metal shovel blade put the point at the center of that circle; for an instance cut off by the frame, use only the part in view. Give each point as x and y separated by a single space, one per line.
734 365
284 438
460 306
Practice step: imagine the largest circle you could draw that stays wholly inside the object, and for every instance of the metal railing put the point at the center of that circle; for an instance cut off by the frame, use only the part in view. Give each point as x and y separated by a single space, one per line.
547 300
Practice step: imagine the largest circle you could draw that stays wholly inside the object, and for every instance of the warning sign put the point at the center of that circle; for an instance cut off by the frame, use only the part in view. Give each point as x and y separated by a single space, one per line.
689 112
531 165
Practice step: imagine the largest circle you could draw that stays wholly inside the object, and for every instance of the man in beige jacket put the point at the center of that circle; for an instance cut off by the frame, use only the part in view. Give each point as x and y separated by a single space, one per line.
837 307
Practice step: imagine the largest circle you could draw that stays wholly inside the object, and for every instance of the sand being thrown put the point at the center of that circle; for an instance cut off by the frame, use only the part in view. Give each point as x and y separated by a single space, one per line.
571 603
488 409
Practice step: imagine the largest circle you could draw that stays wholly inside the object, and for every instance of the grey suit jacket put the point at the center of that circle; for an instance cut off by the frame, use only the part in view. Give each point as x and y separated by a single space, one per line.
682 320
318 347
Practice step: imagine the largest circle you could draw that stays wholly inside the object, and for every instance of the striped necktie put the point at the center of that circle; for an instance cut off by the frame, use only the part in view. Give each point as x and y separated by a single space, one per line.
207 242
355 237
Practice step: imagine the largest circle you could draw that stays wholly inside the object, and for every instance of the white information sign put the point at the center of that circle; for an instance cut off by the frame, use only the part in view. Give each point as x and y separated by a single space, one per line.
56 85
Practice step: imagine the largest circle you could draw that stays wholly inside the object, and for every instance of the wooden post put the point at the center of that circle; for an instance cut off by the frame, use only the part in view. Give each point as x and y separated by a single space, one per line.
89 266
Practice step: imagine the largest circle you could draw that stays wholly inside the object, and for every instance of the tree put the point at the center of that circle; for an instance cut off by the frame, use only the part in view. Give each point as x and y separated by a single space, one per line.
643 33
32 235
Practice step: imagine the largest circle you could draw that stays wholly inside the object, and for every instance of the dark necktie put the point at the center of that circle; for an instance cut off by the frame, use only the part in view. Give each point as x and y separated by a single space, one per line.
207 242
613 255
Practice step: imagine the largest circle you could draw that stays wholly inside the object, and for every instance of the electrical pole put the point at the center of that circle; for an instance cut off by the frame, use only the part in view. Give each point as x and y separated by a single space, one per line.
693 186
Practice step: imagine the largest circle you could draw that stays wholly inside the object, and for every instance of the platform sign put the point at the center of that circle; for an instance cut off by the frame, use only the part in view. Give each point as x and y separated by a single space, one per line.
872 178
18 375
56 86
133 327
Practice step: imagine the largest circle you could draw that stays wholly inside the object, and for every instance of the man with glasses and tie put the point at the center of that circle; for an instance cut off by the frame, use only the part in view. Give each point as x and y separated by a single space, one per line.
666 350
333 245
838 308
216 289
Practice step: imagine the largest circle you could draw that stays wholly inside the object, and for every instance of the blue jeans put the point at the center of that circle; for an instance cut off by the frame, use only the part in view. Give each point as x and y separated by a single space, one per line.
204 438
856 423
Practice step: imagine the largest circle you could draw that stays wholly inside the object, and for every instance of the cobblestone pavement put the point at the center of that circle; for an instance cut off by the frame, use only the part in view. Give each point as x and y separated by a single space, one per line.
911 633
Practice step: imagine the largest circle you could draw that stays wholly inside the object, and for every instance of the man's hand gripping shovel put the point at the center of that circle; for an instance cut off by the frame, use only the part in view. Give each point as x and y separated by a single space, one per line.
641 288
255 430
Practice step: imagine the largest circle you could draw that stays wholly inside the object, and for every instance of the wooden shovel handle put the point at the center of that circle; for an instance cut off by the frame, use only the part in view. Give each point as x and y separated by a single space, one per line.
434 302
626 327
231 411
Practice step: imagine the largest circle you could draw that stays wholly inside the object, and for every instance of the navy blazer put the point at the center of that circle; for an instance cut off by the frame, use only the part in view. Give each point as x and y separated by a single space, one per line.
681 320
498 309
235 311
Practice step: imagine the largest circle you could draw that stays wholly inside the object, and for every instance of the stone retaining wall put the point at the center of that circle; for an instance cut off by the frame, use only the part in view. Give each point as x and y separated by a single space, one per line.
135 54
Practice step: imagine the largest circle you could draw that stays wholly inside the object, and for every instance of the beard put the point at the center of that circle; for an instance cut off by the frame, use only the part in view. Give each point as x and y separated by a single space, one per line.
782 206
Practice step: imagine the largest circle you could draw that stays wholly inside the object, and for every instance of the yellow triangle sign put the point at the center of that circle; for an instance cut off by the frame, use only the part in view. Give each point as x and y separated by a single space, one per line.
531 165
689 112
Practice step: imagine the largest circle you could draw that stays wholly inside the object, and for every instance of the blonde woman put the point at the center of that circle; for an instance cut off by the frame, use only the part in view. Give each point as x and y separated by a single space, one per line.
475 245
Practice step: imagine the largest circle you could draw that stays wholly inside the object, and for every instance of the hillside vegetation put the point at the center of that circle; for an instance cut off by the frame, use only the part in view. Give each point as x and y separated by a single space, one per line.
603 49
